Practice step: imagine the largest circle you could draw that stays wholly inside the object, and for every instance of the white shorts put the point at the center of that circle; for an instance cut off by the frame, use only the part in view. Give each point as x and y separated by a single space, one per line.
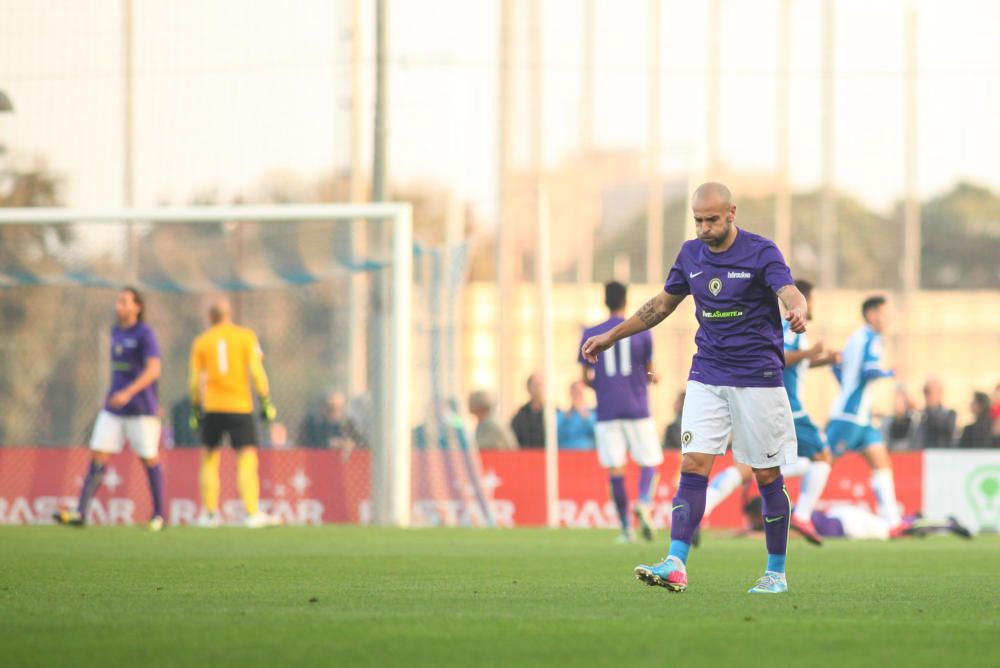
759 419
141 431
638 437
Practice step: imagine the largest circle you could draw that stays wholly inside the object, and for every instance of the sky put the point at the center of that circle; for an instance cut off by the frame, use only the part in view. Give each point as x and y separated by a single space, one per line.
228 91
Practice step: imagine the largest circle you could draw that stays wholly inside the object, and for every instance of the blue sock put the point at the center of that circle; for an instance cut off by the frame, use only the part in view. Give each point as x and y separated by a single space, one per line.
776 563
679 549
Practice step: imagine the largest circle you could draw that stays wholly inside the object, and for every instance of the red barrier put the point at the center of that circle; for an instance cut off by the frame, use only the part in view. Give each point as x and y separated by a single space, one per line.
518 479
301 486
320 486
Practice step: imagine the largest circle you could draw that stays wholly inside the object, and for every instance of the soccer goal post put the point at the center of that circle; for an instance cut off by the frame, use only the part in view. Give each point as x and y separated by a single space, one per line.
354 263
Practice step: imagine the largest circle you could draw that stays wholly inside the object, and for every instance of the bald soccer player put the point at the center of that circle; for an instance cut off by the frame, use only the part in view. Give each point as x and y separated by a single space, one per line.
735 385
225 360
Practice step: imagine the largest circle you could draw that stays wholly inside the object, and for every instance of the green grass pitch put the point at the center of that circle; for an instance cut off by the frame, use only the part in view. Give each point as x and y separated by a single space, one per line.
350 596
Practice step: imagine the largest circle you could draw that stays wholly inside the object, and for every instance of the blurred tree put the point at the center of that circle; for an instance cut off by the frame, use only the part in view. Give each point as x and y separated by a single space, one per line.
868 244
27 251
960 247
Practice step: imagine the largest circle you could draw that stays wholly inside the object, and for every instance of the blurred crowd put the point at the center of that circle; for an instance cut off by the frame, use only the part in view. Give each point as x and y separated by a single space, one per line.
334 423
341 424
934 425
911 426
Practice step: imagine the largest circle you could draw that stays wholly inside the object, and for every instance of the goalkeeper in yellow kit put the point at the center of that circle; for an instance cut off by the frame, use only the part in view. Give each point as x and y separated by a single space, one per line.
225 359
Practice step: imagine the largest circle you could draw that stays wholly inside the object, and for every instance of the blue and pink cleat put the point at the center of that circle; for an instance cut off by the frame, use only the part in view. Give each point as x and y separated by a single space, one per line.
669 574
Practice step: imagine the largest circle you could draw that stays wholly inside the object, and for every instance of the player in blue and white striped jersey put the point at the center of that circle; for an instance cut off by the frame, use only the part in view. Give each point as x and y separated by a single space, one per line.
850 426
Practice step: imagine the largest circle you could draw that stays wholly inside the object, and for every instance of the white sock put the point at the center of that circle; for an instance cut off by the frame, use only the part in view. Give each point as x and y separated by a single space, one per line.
797 469
813 484
885 495
720 487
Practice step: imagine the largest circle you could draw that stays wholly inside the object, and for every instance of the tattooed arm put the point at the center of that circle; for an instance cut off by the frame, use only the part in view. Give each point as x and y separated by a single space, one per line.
796 308
650 315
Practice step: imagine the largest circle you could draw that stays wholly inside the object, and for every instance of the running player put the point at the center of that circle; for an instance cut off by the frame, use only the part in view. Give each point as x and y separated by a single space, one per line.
850 427
619 377
224 360
130 408
735 384
814 454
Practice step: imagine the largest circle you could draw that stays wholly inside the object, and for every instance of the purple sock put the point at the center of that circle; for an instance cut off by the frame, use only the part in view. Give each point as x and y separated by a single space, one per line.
647 475
776 508
90 484
688 507
155 475
621 498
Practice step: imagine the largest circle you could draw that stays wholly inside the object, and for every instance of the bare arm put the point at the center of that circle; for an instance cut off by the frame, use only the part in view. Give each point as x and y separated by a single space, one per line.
648 316
588 375
795 307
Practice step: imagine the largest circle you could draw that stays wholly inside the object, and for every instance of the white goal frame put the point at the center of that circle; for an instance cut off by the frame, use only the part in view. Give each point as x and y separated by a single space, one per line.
390 462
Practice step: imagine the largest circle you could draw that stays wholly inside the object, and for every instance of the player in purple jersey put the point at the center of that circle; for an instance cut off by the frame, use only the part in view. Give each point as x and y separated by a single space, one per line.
619 378
735 385
130 408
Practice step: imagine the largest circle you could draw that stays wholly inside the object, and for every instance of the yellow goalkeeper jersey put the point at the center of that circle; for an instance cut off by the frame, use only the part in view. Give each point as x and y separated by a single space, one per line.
225 359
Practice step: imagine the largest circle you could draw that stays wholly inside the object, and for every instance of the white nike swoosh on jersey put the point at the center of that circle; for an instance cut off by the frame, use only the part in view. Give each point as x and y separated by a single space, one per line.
694 275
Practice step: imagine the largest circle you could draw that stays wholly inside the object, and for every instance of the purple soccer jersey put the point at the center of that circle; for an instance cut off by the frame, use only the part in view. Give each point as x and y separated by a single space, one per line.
620 379
739 337
130 348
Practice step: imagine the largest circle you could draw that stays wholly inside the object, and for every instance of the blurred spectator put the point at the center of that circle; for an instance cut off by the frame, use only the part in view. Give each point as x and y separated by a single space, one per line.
328 429
180 419
979 434
937 424
529 422
491 433
576 425
443 427
359 420
276 437
672 436
899 427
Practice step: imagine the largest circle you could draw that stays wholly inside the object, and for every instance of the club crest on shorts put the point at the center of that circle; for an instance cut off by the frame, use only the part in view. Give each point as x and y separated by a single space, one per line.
715 286
686 438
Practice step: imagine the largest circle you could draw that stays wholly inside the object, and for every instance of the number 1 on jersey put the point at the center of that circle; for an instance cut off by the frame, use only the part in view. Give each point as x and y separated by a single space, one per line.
625 353
222 357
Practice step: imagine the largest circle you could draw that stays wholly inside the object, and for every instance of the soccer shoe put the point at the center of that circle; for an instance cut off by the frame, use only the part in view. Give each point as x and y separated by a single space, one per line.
624 538
209 520
645 519
807 530
155 524
68 517
955 527
669 574
771 583
261 520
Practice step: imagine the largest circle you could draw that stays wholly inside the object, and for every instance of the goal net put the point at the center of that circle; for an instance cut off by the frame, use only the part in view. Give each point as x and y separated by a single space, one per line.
358 329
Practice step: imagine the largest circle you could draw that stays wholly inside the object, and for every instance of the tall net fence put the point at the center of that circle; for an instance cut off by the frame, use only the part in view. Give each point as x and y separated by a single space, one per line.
316 292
